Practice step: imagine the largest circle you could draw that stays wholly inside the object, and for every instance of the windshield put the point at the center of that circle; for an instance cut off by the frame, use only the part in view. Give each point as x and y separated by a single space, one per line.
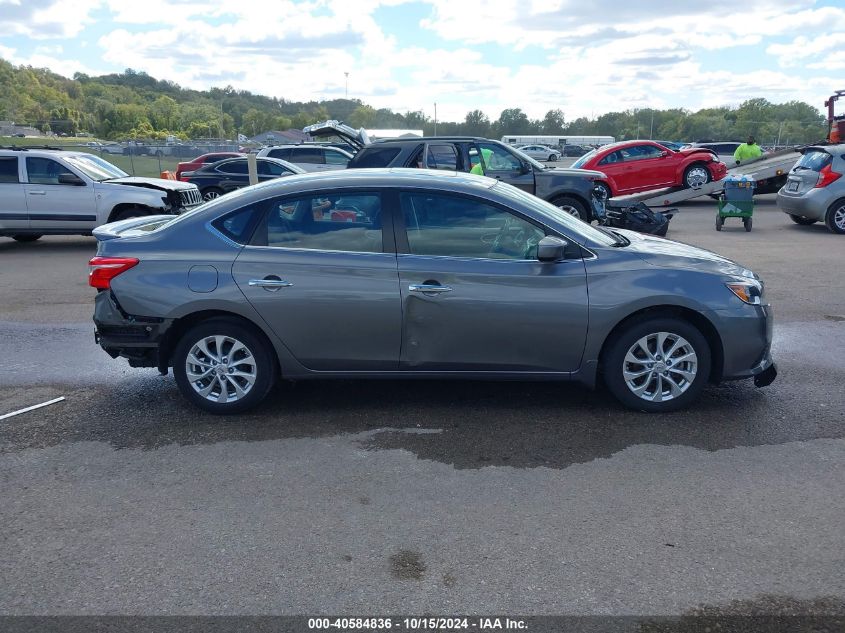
95 167
578 164
572 224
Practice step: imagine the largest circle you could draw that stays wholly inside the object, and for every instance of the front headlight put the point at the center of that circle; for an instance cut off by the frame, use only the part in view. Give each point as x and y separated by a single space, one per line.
750 292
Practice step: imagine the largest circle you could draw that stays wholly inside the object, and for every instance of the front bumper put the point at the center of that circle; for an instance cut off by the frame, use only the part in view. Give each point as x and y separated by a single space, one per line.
136 338
747 343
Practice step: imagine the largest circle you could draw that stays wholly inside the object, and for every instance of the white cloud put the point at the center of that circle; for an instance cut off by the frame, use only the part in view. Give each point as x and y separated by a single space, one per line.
46 19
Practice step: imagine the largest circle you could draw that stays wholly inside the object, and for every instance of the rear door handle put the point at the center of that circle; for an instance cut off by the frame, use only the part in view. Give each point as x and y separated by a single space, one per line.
38 193
433 288
270 284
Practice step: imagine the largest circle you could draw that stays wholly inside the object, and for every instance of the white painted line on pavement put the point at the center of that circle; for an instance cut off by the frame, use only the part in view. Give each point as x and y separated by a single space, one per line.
32 408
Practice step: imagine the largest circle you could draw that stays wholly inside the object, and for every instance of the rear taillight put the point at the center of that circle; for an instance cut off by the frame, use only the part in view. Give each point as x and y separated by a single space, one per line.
101 270
827 176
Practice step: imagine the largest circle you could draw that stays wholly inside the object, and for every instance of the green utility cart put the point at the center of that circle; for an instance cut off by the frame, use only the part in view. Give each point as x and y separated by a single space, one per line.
737 201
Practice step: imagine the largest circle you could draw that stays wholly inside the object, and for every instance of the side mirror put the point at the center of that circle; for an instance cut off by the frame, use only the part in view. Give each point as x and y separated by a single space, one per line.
71 179
551 249
526 169
665 153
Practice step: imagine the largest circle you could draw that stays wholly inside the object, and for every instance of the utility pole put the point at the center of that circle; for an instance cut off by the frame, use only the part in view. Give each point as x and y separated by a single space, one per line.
651 129
346 89
435 118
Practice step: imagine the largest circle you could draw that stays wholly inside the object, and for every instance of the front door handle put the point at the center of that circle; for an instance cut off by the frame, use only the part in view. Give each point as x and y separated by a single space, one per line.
433 288
38 193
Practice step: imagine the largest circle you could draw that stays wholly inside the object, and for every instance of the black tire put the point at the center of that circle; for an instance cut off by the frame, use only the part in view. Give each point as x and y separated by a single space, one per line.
130 212
210 193
573 207
553 158
696 168
263 364
746 222
800 219
27 237
613 363
834 219
720 221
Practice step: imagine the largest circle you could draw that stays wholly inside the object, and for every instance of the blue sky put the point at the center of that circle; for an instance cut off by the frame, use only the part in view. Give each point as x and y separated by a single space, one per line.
585 58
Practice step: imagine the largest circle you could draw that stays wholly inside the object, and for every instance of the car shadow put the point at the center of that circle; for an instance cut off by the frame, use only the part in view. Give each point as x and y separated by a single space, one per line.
467 424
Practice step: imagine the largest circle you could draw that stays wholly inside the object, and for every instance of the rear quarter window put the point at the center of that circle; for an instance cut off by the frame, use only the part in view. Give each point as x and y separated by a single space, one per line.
9 169
375 157
237 225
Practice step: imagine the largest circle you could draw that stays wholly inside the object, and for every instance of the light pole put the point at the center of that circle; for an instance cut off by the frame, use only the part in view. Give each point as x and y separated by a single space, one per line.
346 88
435 118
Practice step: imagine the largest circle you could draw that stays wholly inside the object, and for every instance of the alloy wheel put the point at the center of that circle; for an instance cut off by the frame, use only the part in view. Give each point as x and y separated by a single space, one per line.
697 177
210 195
839 218
660 367
571 210
221 369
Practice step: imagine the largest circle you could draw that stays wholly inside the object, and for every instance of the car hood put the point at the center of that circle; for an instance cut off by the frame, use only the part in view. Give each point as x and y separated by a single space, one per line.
161 184
571 171
357 138
698 150
664 253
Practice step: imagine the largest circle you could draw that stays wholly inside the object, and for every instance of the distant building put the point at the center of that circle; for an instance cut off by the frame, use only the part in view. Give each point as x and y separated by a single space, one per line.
8 128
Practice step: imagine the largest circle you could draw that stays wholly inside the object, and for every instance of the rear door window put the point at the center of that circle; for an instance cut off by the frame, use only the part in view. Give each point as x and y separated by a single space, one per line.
443 156
282 153
9 169
239 167
335 158
348 221
375 157
310 155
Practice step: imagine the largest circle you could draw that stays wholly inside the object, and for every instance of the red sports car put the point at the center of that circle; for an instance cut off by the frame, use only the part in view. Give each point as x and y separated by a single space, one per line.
205 159
634 166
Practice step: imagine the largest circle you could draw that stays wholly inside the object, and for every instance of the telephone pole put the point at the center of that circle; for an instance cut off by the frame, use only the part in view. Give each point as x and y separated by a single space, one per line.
346 88
435 118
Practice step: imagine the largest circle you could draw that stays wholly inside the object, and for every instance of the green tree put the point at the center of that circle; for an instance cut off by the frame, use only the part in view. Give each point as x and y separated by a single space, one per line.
363 116
476 123
554 122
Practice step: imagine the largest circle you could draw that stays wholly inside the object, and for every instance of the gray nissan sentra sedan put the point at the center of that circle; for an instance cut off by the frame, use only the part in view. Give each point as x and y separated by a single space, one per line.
415 273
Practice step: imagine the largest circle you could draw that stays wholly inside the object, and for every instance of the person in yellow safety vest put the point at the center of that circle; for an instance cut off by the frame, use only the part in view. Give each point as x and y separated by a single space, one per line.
477 169
747 151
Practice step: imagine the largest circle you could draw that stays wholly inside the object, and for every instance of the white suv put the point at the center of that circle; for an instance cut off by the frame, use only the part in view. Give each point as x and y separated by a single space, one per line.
309 157
57 192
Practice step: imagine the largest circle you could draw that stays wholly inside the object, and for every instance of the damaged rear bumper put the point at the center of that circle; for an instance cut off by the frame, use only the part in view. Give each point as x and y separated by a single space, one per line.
138 339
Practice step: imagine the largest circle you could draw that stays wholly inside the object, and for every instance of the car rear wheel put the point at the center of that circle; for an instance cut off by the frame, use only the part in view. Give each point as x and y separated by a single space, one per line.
800 219
573 207
223 366
696 176
211 193
553 158
657 365
835 217
26 237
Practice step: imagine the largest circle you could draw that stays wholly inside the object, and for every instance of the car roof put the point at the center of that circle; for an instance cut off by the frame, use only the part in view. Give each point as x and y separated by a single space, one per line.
418 139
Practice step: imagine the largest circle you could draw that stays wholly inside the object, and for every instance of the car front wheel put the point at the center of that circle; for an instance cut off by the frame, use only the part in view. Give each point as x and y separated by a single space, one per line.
835 217
223 366
696 176
657 365
573 207
211 193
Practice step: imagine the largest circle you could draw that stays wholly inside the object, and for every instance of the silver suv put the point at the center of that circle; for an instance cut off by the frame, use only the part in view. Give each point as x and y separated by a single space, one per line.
815 189
309 157
57 192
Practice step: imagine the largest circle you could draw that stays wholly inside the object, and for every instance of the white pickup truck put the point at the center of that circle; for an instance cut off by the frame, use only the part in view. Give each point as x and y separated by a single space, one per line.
59 192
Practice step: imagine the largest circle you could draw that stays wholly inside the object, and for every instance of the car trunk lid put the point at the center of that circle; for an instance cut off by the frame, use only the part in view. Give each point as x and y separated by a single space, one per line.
357 138
805 174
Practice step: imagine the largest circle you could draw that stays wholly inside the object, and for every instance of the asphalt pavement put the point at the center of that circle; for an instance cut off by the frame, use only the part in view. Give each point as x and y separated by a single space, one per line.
421 497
